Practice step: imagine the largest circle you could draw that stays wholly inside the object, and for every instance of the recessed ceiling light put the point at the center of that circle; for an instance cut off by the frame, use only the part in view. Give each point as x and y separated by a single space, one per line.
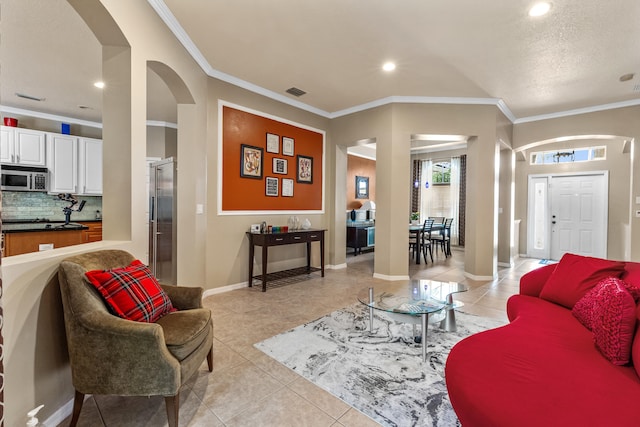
626 77
539 9
99 85
389 66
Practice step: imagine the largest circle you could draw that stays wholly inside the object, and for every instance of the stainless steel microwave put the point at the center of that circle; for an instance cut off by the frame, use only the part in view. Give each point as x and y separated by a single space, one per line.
24 178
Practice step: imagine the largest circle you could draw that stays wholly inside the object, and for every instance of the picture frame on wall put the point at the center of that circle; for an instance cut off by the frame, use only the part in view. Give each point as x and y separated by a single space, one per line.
250 161
273 143
280 166
362 187
271 186
287 146
304 173
287 187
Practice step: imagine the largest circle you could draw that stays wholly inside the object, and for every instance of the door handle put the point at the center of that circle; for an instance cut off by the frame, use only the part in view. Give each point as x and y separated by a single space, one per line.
553 222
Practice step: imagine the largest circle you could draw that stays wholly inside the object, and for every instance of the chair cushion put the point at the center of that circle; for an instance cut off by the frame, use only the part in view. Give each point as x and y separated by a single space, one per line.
185 330
575 275
132 292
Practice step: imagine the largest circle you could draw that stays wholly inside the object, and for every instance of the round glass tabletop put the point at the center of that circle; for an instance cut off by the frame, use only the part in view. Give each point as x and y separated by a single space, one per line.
413 298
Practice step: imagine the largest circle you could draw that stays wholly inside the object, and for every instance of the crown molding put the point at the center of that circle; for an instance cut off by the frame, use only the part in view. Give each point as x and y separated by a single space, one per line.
57 118
418 100
47 116
578 111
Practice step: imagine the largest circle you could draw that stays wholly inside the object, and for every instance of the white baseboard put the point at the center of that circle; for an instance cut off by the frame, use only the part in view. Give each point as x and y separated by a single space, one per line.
389 278
479 278
336 267
506 264
224 289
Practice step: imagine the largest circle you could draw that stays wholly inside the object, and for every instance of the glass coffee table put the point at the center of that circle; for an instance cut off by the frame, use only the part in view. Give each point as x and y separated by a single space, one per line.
410 301
415 301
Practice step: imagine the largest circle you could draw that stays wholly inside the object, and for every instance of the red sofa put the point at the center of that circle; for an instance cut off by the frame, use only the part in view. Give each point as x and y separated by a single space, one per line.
543 368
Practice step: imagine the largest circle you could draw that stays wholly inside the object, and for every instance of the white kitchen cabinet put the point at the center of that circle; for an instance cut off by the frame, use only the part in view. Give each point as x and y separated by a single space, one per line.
90 166
75 164
22 146
62 162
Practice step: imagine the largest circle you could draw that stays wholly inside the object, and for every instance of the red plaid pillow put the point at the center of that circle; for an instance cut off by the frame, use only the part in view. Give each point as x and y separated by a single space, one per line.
132 292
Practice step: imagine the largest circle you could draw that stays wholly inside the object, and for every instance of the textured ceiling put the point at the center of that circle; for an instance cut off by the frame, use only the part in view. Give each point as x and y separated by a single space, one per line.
333 50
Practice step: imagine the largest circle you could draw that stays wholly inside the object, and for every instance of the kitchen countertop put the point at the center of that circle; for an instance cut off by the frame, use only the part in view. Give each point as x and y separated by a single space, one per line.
361 224
27 226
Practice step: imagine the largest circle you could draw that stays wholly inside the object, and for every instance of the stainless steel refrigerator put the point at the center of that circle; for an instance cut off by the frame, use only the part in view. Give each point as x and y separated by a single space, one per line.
162 221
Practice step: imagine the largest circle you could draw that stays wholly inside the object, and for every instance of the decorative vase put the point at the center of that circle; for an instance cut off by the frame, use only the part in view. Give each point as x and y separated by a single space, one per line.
306 224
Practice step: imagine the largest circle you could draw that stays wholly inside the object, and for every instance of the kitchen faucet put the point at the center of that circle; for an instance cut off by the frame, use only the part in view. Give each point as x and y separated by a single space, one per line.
73 207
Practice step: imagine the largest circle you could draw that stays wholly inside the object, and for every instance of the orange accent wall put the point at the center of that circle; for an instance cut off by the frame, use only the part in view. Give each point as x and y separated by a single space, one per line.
249 194
359 166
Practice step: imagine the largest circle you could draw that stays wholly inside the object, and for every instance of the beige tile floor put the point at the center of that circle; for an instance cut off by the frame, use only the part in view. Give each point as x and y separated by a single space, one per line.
248 388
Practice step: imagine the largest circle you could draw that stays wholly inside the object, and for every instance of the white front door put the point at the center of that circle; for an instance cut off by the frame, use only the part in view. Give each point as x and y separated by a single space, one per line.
579 215
568 213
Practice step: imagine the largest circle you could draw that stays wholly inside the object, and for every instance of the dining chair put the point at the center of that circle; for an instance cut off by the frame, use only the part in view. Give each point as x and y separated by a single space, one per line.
426 239
420 242
437 219
443 238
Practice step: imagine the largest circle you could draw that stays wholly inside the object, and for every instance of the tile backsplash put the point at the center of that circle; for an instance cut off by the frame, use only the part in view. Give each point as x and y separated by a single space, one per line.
20 205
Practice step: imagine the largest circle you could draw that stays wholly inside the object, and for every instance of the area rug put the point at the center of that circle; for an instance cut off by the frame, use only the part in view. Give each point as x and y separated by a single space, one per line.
380 373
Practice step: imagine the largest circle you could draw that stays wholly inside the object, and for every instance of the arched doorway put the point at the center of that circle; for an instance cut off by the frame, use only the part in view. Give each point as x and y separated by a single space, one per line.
165 89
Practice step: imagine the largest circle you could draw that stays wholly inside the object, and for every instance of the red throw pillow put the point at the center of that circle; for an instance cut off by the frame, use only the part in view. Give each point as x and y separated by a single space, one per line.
614 320
575 275
588 307
132 292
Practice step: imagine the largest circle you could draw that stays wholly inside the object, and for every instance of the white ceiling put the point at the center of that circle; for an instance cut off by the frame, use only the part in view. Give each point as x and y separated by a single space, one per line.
478 51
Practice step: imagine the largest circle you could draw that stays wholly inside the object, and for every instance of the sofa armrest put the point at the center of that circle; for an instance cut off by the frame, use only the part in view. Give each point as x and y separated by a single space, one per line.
111 355
532 283
184 297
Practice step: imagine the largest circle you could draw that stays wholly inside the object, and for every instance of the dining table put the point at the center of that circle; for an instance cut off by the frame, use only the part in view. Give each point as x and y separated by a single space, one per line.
417 230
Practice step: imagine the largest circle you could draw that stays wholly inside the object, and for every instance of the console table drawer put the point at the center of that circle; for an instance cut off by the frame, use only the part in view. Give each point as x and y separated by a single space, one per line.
315 236
277 239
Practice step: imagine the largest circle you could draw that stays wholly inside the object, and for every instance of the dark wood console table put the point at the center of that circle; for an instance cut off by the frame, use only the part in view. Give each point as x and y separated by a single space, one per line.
276 239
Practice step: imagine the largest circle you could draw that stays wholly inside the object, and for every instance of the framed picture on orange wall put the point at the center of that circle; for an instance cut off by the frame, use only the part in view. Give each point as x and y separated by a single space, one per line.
305 169
273 143
250 161
280 166
287 146
271 187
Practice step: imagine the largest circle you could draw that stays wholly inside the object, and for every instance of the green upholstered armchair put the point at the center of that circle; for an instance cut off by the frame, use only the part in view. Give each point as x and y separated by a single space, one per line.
113 356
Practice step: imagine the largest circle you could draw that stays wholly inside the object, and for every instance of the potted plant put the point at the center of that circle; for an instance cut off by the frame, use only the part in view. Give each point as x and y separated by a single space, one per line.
415 218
